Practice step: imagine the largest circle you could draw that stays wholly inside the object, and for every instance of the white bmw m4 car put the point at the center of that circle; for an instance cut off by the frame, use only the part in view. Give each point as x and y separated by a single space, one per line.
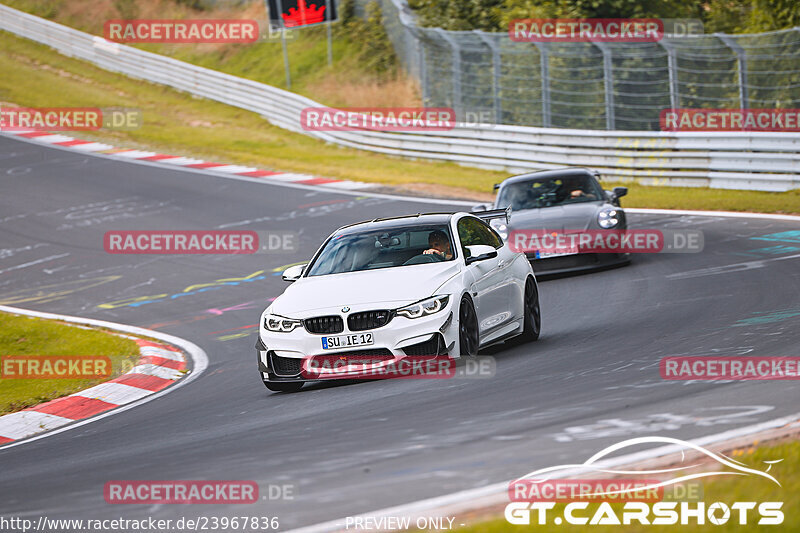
441 284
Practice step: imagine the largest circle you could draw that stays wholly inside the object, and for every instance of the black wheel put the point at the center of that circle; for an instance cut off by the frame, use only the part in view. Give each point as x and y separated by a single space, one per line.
533 314
288 386
468 340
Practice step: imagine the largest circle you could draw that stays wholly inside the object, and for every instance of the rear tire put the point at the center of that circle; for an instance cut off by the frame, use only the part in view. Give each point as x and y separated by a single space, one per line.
468 340
533 313
289 386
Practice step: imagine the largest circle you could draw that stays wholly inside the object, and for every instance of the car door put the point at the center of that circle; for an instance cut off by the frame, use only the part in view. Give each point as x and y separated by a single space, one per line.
488 278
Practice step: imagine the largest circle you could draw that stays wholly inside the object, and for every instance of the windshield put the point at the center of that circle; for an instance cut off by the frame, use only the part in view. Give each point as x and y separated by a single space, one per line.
391 247
548 192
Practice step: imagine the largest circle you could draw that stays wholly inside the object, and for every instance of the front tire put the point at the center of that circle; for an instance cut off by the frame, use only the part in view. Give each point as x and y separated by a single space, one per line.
532 312
468 340
288 386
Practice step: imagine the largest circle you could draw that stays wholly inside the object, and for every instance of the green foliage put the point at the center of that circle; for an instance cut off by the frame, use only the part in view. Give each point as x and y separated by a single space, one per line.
459 15
718 15
769 15
376 53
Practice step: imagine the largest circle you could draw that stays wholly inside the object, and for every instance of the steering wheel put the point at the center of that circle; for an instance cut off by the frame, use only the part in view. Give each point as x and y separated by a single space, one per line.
424 258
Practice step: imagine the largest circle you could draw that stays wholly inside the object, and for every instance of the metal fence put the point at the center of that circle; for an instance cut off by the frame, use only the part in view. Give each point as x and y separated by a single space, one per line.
733 160
610 86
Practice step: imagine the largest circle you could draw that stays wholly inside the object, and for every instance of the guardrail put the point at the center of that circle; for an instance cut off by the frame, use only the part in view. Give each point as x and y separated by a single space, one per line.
754 161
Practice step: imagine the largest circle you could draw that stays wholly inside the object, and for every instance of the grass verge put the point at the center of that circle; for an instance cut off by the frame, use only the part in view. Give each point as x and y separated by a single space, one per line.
22 335
728 490
177 123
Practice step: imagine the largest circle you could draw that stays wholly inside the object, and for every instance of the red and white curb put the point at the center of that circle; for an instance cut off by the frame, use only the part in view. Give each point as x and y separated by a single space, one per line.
65 141
160 369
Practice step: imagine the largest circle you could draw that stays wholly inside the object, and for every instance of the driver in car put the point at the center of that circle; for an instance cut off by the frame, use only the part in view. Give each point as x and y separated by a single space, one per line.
575 188
439 245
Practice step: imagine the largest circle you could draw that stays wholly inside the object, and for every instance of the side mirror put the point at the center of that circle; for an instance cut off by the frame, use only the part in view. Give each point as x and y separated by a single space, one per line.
293 273
495 186
479 252
480 207
619 192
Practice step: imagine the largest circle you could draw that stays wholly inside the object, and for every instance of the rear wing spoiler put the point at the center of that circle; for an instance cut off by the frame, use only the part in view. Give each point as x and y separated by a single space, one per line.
494 213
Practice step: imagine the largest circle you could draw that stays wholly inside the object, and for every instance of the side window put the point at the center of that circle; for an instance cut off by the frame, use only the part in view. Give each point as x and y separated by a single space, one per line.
472 231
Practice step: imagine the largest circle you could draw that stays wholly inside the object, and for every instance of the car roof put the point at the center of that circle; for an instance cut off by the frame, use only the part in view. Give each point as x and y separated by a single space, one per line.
397 222
549 174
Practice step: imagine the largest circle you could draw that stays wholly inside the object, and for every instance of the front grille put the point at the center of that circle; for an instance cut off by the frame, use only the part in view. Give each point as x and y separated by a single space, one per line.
371 356
324 324
429 347
369 320
285 366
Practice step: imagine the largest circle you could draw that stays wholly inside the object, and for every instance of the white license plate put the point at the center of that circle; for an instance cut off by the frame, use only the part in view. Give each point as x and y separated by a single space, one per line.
346 341
566 251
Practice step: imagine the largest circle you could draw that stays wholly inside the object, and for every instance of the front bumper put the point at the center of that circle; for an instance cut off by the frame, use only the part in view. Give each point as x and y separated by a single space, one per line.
567 264
295 356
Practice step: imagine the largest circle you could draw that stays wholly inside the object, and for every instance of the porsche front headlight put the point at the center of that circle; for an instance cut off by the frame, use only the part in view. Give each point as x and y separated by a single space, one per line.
608 218
425 307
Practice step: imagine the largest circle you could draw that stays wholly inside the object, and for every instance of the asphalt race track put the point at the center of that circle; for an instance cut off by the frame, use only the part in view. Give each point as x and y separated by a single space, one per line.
592 379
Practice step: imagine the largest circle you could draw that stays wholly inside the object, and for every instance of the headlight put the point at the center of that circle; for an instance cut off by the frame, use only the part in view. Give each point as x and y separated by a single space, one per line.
281 324
425 307
608 218
500 228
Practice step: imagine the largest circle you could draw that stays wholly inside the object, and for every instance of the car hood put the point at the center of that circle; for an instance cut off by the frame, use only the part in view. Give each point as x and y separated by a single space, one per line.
397 286
581 216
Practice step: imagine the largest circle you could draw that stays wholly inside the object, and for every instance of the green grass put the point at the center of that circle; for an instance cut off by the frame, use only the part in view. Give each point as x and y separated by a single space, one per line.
726 490
177 123
21 335
261 61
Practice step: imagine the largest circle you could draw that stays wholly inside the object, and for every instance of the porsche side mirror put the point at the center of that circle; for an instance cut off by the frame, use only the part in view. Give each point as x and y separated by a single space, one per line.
480 207
479 252
293 273
619 192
